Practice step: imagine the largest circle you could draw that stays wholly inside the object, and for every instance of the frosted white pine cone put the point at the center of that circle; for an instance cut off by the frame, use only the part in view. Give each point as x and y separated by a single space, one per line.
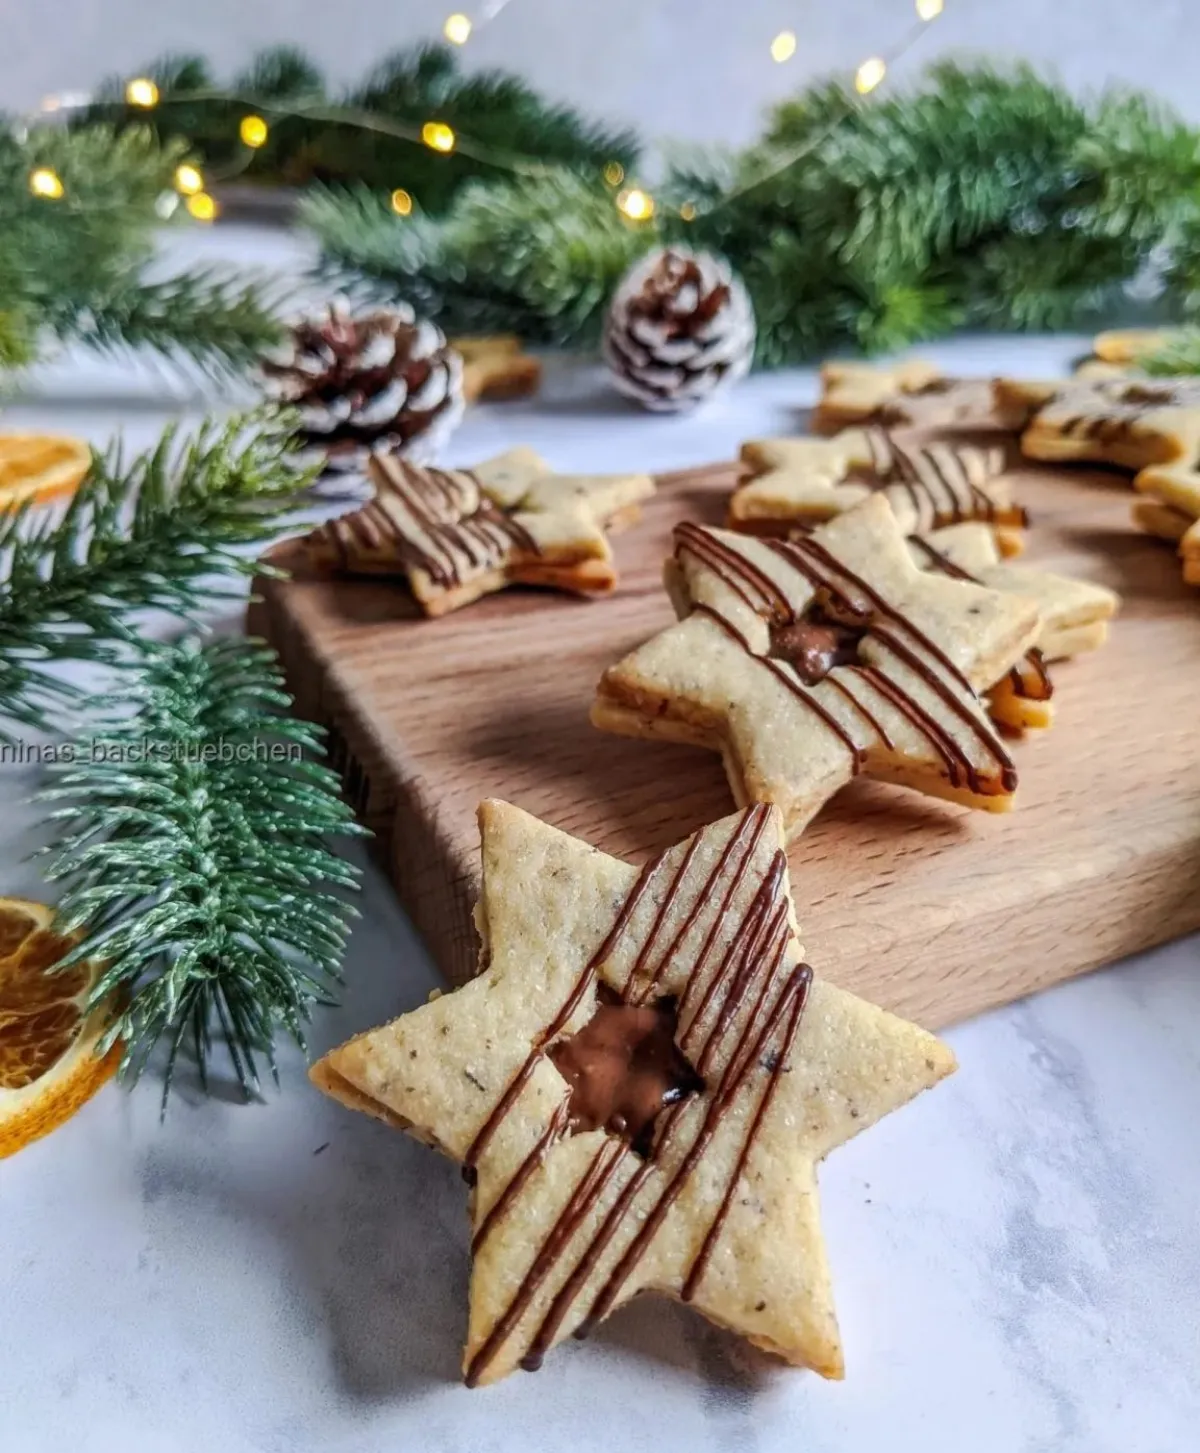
679 329
363 380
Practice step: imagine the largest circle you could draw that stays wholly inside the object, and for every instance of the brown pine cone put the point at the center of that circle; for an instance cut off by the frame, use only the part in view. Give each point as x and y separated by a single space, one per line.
680 328
367 380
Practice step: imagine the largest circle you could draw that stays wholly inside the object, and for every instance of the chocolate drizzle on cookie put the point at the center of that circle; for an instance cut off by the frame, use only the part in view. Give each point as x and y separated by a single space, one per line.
1111 408
842 595
735 1020
1029 678
433 520
943 483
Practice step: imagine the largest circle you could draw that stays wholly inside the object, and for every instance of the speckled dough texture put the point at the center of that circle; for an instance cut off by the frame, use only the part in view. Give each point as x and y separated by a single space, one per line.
1151 425
1171 510
905 711
1132 422
724 1212
929 483
914 393
456 535
1074 614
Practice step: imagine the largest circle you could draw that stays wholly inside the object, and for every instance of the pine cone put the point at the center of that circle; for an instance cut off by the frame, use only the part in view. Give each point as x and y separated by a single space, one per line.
679 328
360 381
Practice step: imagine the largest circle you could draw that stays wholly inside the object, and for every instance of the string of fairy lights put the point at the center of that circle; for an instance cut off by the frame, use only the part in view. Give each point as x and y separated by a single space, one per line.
634 201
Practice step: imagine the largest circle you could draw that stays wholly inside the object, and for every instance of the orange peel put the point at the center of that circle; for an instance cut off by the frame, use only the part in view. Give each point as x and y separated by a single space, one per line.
38 467
49 1065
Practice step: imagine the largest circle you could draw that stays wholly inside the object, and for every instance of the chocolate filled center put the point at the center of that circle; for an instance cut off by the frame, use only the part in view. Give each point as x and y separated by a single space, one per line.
825 636
623 1068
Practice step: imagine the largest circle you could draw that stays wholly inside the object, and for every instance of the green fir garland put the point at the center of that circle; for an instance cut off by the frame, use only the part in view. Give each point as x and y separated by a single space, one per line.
985 198
71 267
321 136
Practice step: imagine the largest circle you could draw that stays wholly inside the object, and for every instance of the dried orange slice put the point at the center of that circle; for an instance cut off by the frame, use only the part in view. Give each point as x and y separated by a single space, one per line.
39 466
48 1061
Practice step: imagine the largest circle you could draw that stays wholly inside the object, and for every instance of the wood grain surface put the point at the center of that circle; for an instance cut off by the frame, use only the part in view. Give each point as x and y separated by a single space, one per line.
929 909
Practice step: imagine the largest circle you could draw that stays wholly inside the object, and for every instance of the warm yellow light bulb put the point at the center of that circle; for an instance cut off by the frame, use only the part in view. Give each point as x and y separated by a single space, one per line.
45 183
457 28
783 47
142 92
688 211
253 131
188 180
202 207
614 174
637 205
402 203
438 136
930 9
869 75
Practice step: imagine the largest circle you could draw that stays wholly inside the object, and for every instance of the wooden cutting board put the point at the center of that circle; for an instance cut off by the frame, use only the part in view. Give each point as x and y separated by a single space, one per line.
929 909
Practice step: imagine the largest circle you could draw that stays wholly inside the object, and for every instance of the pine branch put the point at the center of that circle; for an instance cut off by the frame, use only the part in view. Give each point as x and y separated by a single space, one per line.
988 197
193 855
219 322
492 109
1183 271
540 256
148 534
18 343
99 229
73 267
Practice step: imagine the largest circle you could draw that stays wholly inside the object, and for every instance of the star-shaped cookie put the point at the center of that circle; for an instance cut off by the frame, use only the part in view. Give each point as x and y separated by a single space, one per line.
1127 345
928 485
639 1086
1074 616
1119 352
457 534
913 393
1093 369
1131 422
495 367
808 661
1171 510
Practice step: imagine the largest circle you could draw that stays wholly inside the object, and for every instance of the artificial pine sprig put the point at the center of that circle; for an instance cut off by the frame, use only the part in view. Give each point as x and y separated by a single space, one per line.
154 532
317 132
985 197
547 252
216 320
194 857
71 266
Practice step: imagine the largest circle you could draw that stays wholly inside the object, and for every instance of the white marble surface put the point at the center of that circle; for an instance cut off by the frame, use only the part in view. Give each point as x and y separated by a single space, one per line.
1015 1256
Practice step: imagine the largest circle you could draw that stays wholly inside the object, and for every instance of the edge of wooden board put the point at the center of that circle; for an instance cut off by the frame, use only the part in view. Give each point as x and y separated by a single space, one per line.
1130 906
